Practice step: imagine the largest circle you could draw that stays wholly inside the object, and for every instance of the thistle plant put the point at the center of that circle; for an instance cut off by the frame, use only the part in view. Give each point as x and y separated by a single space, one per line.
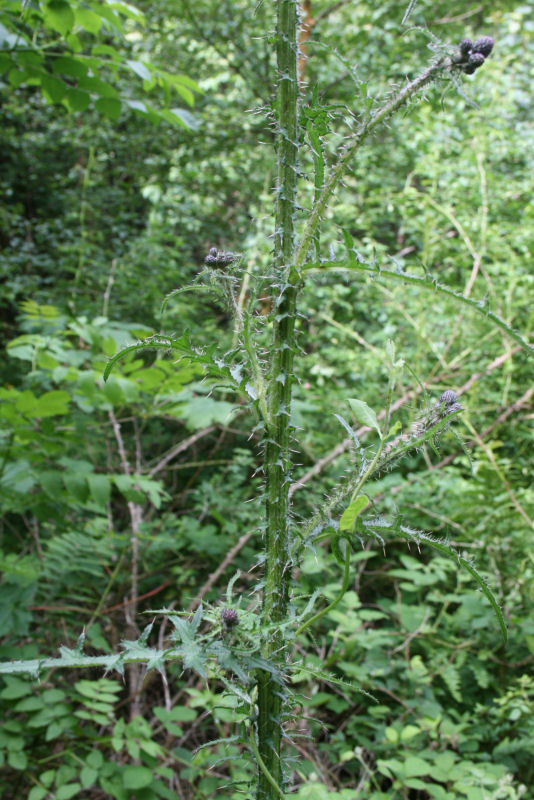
251 650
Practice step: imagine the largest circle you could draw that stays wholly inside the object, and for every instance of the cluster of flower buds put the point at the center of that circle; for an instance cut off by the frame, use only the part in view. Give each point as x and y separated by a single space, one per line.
473 54
448 402
220 258
229 619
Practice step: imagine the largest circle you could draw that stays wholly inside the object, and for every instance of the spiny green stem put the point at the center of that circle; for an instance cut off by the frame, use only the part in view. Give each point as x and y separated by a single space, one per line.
263 766
354 484
279 390
367 127
334 603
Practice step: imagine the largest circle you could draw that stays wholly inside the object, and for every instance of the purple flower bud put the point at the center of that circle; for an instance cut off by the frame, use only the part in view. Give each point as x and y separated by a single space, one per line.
466 45
454 407
229 618
220 258
448 397
476 60
484 45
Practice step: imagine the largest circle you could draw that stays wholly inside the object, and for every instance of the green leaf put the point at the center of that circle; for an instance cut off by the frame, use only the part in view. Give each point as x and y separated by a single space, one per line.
140 69
16 688
134 777
100 488
97 86
76 485
391 735
76 100
364 415
349 516
52 404
17 760
87 19
67 791
109 107
59 16
409 731
415 766
37 793
88 776
179 116
53 89
447 550
67 65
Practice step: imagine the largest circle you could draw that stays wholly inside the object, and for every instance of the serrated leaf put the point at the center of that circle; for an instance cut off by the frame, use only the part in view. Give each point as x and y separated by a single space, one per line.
53 89
88 20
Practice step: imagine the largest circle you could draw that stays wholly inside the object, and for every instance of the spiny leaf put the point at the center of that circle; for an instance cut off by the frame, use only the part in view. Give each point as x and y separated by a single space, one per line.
215 367
193 287
155 342
425 282
411 6
418 536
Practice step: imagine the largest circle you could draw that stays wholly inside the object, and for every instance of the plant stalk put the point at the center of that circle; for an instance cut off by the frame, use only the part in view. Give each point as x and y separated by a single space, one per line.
280 380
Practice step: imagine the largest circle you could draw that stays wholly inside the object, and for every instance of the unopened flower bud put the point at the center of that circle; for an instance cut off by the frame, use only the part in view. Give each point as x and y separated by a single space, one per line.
220 258
229 618
448 397
454 407
476 59
466 45
484 45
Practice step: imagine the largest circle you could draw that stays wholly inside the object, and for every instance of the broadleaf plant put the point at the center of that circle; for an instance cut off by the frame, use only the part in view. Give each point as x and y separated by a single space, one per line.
251 649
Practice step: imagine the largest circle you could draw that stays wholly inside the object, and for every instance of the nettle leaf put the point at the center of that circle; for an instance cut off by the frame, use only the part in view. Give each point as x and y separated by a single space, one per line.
77 100
88 20
67 65
53 89
364 414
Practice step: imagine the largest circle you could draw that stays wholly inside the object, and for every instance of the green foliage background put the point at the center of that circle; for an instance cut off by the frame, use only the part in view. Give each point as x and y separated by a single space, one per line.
101 217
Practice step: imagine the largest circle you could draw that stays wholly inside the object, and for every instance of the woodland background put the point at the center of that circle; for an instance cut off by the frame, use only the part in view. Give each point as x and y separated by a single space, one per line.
107 207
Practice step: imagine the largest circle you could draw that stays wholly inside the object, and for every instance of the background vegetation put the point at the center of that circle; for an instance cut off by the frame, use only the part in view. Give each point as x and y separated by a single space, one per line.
122 497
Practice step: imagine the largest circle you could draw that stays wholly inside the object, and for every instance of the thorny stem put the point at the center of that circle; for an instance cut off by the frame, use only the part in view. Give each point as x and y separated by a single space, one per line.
338 598
367 127
364 477
354 484
277 425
